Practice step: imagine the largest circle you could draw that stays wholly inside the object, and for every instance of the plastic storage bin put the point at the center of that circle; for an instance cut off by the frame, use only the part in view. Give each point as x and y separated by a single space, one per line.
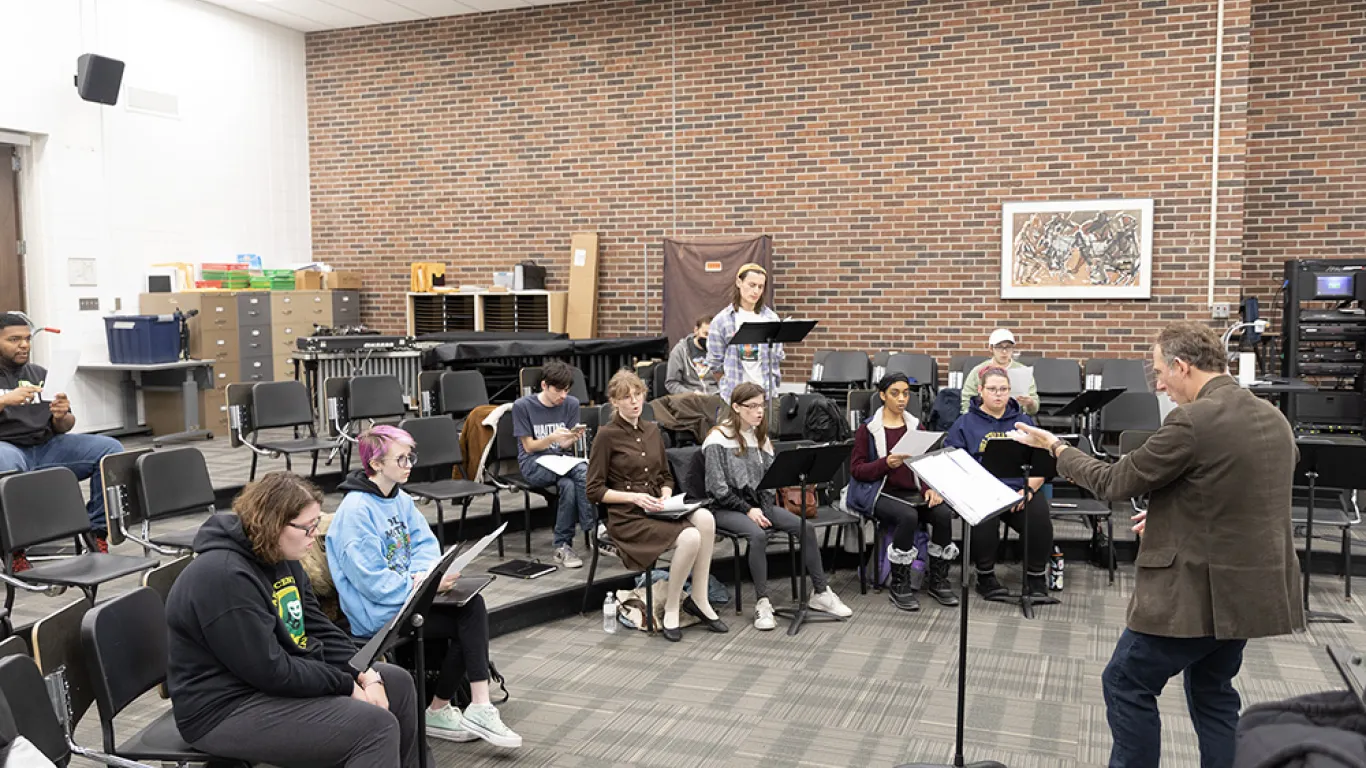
142 339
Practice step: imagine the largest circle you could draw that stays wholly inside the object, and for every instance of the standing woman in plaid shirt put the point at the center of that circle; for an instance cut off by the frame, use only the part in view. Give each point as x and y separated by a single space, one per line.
755 363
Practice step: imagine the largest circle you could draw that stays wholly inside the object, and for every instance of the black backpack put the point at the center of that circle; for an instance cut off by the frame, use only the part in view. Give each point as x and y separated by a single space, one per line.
825 422
944 412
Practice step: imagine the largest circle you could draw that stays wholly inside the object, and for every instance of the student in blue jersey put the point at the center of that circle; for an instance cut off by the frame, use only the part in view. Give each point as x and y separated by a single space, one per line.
378 549
993 415
546 423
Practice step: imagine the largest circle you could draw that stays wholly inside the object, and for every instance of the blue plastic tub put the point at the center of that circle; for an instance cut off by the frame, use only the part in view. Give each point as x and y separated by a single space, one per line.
142 339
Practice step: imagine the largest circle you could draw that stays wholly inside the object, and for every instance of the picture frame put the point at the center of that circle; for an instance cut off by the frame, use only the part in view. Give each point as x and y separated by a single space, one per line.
1077 249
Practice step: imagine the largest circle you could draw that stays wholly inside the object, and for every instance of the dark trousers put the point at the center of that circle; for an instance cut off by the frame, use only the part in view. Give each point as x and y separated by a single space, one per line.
986 538
467 658
894 509
325 731
1137 673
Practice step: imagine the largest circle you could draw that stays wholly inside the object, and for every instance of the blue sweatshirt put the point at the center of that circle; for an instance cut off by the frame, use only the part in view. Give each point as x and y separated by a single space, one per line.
375 545
973 429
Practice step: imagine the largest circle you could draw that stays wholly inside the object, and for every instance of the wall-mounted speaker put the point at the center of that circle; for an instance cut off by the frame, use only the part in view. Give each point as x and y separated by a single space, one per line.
98 78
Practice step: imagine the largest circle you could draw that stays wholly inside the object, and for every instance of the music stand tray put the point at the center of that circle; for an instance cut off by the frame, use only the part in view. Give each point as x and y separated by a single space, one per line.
1007 459
772 332
1089 401
1331 464
803 467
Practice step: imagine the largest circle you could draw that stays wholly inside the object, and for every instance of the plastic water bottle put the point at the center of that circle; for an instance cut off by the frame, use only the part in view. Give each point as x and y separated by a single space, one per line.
1056 570
609 614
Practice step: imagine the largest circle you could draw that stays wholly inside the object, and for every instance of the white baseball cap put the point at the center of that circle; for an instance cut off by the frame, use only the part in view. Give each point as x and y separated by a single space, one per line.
999 335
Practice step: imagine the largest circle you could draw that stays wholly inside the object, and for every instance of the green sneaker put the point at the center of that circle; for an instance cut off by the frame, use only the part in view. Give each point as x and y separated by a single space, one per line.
445 724
483 721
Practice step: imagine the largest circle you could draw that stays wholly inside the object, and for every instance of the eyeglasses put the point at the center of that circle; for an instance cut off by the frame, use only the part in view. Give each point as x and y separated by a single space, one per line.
407 460
750 406
1004 345
307 529
997 390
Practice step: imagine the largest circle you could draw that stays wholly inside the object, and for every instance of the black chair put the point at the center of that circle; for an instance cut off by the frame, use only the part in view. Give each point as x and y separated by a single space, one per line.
840 371
689 471
920 368
960 366
862 403
1072 502
367 398
790 422
438 450
46 505
831 519
23 688
600 520
501 467
125 644
1130 411
529 380
1091 370
276 404
1058 381
174 482
459 392
1132 375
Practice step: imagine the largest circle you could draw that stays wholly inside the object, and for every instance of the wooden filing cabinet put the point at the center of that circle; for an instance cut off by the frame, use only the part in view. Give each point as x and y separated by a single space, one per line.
296 314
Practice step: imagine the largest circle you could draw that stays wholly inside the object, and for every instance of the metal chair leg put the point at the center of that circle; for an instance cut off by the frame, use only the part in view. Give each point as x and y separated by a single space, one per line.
735 547
440 524
252 475
497 521
526 512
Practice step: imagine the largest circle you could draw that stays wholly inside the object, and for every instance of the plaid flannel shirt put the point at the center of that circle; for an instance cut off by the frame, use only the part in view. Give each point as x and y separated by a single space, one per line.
725 358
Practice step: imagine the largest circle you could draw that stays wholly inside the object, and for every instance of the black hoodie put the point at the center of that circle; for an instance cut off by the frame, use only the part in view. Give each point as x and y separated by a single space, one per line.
239 626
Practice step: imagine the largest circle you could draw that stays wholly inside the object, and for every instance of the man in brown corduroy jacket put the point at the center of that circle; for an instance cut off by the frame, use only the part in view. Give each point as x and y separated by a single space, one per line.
1217 565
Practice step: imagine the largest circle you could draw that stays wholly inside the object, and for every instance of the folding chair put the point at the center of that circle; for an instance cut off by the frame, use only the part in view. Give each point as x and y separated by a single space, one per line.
960 366
919 368
364 399
529 380
1130 411
838 372
173 482
1085 507
599 520
438 450
688 469
279 404
1129 374
459 392
1058 381
26 695
46 505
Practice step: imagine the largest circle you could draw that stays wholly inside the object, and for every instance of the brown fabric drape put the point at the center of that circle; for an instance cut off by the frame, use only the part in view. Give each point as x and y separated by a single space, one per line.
699 274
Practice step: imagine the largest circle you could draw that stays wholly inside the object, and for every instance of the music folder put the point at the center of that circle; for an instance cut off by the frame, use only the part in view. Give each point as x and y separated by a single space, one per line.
973 492
419 601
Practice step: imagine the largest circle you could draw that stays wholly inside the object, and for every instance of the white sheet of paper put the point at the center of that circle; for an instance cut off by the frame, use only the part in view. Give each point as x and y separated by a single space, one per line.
967 487
916 442
61 372
559 464
1021 379
463 560
676 503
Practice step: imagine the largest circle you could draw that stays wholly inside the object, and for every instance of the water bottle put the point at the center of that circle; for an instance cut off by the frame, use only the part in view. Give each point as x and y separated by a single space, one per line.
609 614
1055 571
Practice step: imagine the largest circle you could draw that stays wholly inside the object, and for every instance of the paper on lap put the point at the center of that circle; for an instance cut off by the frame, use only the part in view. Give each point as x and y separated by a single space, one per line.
61 373
973 492
559 464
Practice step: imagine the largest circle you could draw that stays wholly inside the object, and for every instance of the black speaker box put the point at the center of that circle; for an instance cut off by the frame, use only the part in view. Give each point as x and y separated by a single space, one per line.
98 78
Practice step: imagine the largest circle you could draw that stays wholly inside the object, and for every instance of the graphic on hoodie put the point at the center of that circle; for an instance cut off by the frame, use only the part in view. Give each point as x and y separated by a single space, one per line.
398 546
982 446
290 607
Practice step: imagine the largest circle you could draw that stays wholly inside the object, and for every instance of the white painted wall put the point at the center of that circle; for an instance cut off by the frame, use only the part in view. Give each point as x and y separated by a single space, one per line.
228 175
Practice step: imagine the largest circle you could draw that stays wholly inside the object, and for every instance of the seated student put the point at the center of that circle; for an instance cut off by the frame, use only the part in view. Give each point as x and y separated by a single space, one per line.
1002 346
629 472
37 434
256 672
378 549
756 363
884 488
687 370
546 424
993 415
736 460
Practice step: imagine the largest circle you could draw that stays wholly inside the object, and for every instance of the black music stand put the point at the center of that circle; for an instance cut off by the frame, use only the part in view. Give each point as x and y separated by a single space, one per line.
1337 465
990 519
1086 405
804 467
1007 460
408 622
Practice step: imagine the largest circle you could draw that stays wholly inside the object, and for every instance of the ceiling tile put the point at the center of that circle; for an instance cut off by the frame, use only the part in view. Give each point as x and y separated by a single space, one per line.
435 8
495 5
382 11
322 11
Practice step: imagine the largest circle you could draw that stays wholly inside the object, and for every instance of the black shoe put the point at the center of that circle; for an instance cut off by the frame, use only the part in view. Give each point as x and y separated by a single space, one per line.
715 625
1036 586
940 588
672 635
901 592
989 587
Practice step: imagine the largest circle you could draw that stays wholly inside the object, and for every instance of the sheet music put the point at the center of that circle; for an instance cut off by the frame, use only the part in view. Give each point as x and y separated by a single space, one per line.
1021 379
916 442
677 503
462 561
971 490
61 373
559 464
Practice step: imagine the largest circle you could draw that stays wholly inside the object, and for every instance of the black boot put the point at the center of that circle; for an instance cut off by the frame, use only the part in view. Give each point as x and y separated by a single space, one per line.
989 587
941 589
901 593
1036 586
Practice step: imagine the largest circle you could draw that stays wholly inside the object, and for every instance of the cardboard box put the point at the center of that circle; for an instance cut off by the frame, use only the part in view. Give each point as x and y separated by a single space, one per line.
342 281
558 300
581 311
166 415
308 280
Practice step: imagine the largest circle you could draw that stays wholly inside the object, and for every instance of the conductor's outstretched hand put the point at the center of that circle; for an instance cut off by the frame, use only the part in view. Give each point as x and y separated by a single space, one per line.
1032 436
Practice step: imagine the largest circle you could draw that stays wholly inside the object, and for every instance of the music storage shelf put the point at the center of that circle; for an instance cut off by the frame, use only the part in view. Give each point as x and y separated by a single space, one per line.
511 311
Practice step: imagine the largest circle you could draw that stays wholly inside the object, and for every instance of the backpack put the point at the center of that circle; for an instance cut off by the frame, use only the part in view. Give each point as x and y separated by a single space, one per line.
825 423
944 412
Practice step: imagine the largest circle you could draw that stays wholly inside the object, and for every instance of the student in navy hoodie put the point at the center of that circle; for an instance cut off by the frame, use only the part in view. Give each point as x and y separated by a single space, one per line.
378 549
992 415
256 671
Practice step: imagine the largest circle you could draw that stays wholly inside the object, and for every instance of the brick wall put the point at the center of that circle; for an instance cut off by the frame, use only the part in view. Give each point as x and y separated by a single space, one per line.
875 142
1306 185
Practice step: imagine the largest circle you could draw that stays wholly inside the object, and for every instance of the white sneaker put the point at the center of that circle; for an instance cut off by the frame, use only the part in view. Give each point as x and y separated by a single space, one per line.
565 557
483 721
763 615
829 602
444 723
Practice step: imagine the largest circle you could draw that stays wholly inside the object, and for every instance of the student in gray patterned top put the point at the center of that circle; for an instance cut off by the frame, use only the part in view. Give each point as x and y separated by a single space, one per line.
736 459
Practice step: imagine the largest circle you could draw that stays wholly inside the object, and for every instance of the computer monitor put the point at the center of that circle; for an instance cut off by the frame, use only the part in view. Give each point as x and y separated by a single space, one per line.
1334 285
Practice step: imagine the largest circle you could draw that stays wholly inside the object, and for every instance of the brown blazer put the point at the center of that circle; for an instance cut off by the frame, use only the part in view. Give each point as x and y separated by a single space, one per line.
1217 558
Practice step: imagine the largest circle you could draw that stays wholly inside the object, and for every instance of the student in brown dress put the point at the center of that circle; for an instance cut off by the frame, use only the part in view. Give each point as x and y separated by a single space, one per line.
629 472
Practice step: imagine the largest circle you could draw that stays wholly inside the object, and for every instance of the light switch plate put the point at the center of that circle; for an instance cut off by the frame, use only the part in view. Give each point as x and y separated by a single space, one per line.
90 304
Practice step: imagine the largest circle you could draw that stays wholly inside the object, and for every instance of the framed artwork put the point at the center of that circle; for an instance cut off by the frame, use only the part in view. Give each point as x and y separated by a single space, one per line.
1077 249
